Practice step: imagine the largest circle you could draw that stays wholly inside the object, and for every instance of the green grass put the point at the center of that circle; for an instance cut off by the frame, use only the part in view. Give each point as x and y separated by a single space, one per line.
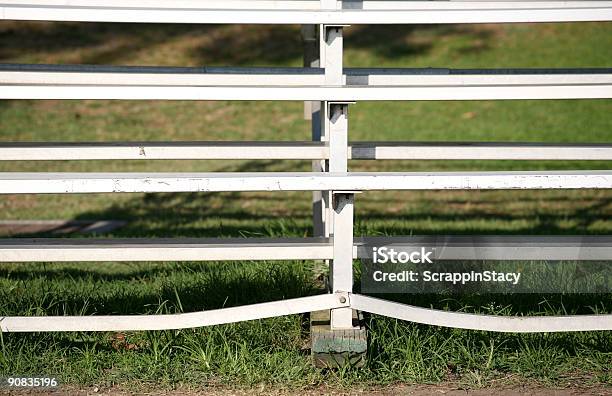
274 351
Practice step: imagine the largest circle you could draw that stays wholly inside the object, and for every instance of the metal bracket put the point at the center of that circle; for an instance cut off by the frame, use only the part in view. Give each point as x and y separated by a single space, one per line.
326 29
341 102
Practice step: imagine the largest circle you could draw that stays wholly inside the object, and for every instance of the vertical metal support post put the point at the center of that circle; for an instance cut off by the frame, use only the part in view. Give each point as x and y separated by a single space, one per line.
333 46
341 269
336 129
342 264
313 111
331 50
325 202
337 336
310 38
338 136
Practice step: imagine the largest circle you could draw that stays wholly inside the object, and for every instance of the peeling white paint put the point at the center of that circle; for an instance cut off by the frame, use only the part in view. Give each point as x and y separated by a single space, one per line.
21 183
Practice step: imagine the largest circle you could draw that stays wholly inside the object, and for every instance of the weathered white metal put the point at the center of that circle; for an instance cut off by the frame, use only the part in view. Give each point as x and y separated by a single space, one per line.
336 131
307 12
14 324
310 40
341 270
478 151
341 208
332 74
333 46
159 76
80 82
514 324
309 93
476 247
68 183
178 4
338 137
330 56
313 4
163 150
434 77
171 249
307 304
317 151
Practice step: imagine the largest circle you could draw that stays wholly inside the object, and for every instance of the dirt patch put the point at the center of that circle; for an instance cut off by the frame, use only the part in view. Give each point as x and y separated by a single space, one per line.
394 390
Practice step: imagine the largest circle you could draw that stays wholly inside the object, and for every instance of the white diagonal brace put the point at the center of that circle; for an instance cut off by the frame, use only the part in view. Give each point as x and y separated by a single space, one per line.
13 324
508 324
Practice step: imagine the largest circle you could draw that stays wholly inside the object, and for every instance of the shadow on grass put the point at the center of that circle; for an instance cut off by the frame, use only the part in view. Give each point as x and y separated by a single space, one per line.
96 43
394 41
165 288
110 43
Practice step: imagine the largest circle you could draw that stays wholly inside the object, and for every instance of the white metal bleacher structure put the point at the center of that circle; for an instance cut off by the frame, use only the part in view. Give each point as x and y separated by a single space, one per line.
330 89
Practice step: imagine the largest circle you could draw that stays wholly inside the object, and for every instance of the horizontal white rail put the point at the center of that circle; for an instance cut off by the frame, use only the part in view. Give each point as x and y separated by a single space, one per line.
163 151
484 247
48 74
312 4
402 77
67 183
14 324
158 76
307 12
249 150
178 4
513 324
318 93
87 82
476 151
179 249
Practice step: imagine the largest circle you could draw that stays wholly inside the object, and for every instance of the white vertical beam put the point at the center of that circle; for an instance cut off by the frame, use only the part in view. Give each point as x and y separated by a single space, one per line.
332 37
335 127
338 137
330 58
313 112
331 52
342 222
320 130
310 38
342 264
